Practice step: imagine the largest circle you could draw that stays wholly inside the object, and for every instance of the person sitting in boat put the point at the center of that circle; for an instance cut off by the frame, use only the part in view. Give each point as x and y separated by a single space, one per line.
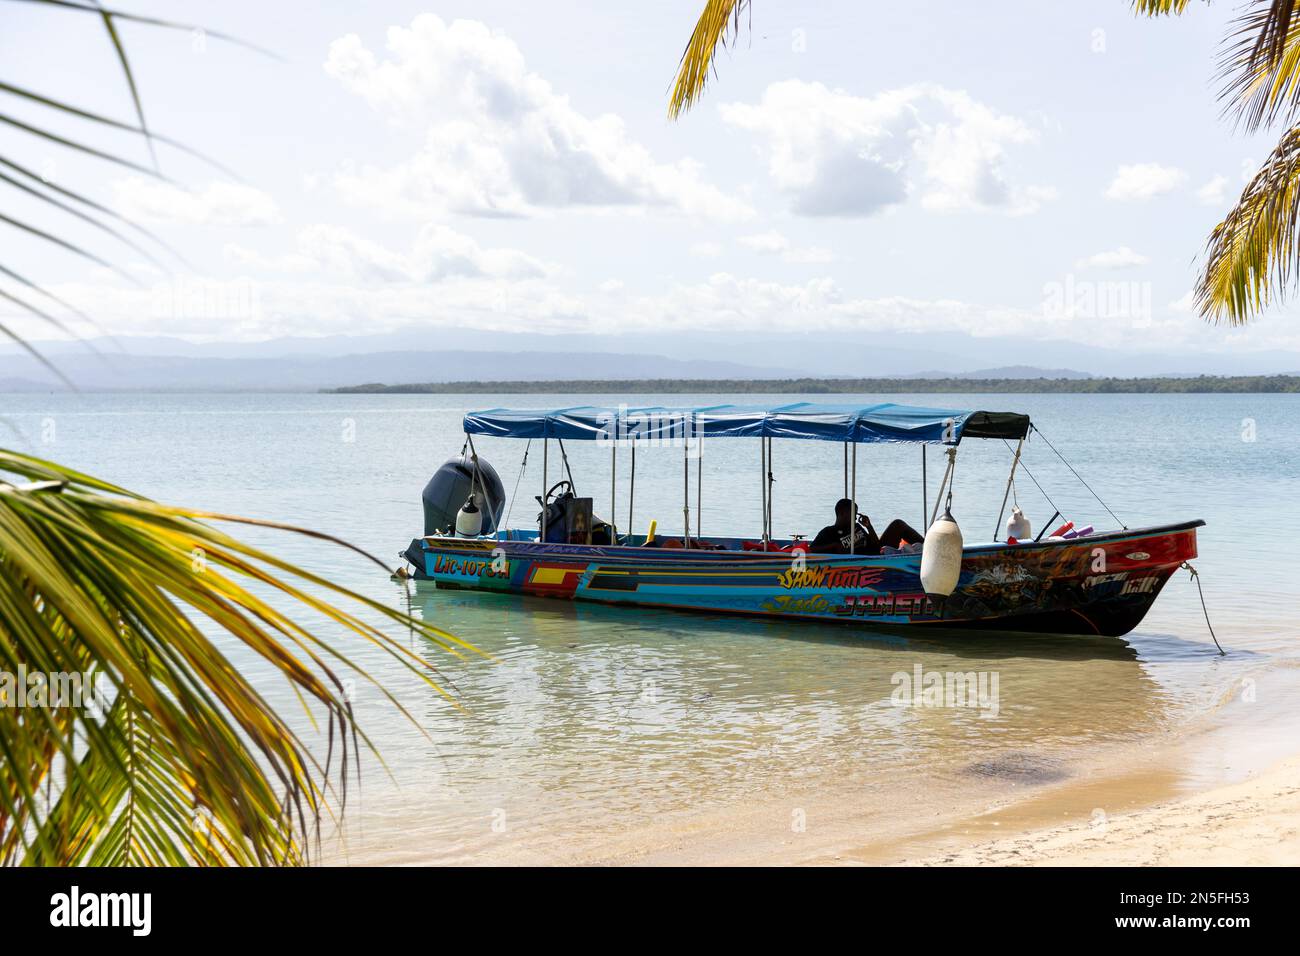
836 539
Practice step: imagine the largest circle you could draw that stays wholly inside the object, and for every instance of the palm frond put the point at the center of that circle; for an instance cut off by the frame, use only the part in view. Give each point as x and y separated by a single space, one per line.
85 114
1159 8
189 763
23 343
1260 64
127 17
33 178
1252 254
718 25
184 761
81 147
84 217
68 247
125 63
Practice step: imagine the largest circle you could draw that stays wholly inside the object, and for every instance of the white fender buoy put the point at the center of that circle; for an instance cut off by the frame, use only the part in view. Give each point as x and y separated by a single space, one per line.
1018 526
469 520
941 557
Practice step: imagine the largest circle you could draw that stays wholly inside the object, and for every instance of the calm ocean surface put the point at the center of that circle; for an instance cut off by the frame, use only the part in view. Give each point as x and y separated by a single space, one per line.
591 722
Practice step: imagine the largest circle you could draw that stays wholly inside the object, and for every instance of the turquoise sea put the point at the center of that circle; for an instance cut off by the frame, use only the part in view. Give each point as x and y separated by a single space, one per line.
604 734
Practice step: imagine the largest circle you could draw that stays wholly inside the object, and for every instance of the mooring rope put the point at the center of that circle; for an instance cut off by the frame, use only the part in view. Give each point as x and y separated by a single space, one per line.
1025 469
1079 476
1196 576
511 509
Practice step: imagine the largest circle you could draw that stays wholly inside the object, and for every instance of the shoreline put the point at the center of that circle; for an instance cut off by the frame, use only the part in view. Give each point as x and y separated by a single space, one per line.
1207 796
1150 813
1253 822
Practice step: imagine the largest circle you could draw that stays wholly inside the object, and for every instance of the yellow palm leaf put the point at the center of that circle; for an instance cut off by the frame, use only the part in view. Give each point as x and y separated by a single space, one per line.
718 24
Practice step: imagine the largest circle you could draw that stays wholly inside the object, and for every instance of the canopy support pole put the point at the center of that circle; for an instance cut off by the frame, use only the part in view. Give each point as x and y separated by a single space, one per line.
947 476
997 528
631 495
853 523
564 457
546 464
925 494
699 488
846 469
613 493
476 480
762 474
686 492
770 481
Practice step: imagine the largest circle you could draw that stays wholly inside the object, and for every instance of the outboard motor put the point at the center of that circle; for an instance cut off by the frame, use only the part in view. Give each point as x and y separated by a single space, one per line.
449 490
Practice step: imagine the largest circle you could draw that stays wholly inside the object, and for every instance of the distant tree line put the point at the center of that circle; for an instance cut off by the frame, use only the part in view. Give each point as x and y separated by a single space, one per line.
827 386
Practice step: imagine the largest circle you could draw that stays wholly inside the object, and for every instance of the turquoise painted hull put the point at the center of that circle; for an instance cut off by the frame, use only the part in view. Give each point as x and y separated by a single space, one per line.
1102 584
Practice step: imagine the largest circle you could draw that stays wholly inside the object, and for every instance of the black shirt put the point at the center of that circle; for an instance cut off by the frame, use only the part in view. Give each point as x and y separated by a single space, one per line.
831 540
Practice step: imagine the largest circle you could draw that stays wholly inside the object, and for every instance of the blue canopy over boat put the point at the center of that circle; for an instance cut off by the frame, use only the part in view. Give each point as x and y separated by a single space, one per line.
884 422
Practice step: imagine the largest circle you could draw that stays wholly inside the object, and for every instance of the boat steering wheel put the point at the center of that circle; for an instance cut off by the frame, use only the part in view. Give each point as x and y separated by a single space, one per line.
562 483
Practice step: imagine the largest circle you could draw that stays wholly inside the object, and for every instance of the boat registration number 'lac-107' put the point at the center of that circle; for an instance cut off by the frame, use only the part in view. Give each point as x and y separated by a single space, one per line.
471 568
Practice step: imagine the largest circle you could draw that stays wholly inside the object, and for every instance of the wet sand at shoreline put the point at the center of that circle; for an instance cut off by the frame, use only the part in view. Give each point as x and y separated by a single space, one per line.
1255 822
1191 800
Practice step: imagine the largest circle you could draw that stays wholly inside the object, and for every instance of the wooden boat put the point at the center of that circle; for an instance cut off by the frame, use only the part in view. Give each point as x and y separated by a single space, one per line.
1099 583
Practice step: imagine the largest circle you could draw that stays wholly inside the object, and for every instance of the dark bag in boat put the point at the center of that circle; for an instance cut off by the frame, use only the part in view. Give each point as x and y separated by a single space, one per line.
569 520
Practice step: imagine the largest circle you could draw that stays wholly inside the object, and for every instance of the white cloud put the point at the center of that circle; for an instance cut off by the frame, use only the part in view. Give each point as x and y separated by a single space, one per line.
291 262
773 243
1214 192
498 139
810 255
706 249
217 204
1142 181
836 154
723 303
438 253
820 306
1121 258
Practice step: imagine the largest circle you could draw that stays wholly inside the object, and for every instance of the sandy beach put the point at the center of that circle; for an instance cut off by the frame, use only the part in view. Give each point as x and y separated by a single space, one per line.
1252 823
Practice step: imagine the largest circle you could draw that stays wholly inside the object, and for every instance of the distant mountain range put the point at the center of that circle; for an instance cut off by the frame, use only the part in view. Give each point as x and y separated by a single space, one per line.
117 371
1007 371
432 355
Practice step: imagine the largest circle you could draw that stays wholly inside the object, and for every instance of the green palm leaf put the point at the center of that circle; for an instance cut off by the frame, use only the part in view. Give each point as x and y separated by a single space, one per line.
190 763
1252 254
183 760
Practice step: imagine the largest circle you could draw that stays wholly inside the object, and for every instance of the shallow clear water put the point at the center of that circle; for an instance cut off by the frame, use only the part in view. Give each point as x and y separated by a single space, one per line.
593 721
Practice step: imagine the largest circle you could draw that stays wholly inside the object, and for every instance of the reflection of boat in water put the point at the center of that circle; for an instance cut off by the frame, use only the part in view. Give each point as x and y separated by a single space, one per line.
1093 583
479 613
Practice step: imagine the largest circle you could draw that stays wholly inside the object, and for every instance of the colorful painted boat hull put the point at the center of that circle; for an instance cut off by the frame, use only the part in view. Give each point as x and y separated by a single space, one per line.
1102 584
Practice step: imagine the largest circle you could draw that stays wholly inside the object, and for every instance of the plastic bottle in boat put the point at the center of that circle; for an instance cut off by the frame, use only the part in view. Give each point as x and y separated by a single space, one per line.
1018 525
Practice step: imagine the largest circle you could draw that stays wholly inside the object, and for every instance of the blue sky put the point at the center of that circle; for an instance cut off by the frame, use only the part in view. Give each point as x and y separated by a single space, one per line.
1021 171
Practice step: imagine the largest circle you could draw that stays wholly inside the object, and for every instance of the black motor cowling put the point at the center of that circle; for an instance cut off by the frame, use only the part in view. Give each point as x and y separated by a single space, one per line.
451 484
